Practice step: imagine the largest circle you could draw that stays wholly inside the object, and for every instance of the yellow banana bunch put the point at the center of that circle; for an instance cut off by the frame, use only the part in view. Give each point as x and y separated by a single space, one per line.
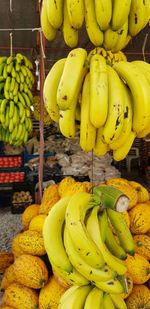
110 24
99 96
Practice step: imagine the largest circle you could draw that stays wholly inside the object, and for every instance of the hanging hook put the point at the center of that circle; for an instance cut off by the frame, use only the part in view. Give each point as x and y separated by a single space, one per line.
11 43
11 6
41 42
144 45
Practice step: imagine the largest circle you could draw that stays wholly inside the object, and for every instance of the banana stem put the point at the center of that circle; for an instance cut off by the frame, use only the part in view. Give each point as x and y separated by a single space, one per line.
110 197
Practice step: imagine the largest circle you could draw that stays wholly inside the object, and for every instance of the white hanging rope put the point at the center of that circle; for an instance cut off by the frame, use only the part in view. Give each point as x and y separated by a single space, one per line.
11 43
11 6
144 45
41 42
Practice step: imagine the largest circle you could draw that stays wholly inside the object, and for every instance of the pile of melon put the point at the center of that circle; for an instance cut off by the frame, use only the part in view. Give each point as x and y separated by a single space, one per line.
28 281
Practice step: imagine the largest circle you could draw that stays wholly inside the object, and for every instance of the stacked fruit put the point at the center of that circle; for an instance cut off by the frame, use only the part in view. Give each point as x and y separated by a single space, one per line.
36 112
16 82
101 99
108 23
28 269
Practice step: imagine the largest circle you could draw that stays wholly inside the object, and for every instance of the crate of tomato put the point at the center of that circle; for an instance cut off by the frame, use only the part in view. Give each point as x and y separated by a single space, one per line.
12 175
8 161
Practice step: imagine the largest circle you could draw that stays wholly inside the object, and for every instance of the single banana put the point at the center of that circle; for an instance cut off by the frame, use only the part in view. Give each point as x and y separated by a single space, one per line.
7 119
73 277
94 299
75 10
115 117
50 89
70 33
27 99
127 123
3 59
94 32
2 65
11 109
107 302
118 301
89 272
71 79
87 130
122 40
112 286
140 89
121 230
98 90
110 39
103 10
12 84
55 12
52 233
78 232
48 30
67 294
144 67
93 226
120 13
67 123
100 148
113 245
76 298
136 16
121 152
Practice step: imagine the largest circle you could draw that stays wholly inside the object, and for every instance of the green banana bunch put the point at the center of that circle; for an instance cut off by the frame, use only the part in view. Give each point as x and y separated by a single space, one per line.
16 82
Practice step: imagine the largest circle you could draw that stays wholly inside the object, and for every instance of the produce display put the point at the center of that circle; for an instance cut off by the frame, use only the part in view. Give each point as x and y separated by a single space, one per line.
22 197
16 82
85 93
84 252
108 23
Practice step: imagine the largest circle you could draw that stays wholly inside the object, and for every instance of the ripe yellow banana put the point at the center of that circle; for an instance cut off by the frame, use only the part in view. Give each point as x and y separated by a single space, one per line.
92 274
122 230
76 299
78 233
67 118
107 302
103 10
47 28
55 12
94 299
115 117
71 78
100 148
122 37
74 277
70 34
52 233
120 13
93 226
144 132
136 16
76 12
50 89
93 30
127 123
118 301
140 89
87 130
98 90
112 286
121 152
110 39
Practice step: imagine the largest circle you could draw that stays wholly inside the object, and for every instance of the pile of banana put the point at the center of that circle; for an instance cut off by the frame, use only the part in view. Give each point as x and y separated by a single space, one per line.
81 246
36 111
108 23
16 82
107 104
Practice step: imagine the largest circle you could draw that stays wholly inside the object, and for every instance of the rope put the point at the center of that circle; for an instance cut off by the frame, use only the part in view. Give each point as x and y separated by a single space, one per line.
11 6
11 43
144 45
